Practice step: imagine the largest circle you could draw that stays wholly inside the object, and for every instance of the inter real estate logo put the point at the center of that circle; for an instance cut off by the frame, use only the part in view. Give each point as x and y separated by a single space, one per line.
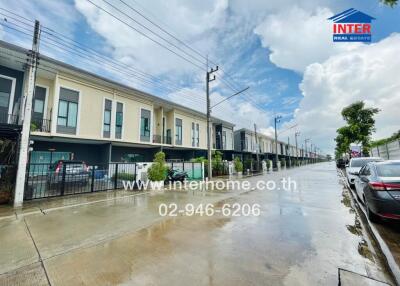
351 26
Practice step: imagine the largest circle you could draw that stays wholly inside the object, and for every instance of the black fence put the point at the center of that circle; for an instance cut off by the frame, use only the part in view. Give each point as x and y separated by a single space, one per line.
50 180
8 175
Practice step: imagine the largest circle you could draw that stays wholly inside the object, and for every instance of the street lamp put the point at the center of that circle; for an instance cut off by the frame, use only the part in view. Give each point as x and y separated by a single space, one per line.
277 119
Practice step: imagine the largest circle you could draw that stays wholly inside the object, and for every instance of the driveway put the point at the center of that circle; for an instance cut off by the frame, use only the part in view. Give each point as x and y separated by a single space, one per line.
301 237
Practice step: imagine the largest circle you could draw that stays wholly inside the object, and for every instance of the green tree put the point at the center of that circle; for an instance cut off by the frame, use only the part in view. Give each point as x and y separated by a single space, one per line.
238 165
158 170
360 126
390 3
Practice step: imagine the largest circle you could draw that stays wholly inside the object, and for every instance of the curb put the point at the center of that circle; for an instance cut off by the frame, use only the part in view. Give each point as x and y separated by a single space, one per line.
390 260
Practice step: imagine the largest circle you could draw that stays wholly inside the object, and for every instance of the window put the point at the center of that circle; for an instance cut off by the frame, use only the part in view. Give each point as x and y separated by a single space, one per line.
197 135
119 116
178 131
38 102
107 118
67 111
224 140
145 125
193 135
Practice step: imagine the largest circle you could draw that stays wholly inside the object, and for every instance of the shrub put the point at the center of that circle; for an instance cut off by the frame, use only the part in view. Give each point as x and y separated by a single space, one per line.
269 164
158 170
217 165
238 165
283 162
124 176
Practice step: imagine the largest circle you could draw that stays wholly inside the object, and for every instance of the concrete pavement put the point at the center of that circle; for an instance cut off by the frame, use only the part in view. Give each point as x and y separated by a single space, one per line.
302 237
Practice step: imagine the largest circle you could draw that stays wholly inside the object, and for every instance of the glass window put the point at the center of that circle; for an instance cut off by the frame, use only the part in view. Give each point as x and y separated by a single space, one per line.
193 135
107 120
197 135
67 109
178 132
358 163
389 170
4 97
119 120
38 106
145 125
72 114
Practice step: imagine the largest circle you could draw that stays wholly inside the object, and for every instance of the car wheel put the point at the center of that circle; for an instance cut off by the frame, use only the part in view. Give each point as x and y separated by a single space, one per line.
371 216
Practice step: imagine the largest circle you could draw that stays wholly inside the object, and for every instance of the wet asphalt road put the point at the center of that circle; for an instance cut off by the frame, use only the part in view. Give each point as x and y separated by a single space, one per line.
302 237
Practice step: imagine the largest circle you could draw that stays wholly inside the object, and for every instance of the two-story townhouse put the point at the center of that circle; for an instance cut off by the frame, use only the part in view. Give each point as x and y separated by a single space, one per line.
81 115
223 137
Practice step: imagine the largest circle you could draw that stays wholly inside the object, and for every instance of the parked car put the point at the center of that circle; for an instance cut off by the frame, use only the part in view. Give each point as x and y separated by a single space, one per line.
355 165
378 187
76 173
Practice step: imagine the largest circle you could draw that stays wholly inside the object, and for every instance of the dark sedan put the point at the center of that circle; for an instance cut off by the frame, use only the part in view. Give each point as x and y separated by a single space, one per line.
378 186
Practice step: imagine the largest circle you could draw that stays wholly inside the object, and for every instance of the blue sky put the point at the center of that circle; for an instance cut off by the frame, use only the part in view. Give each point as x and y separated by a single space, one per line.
279 48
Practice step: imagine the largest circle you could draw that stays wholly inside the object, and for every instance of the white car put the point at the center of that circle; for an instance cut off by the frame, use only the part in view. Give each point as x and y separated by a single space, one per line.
355 165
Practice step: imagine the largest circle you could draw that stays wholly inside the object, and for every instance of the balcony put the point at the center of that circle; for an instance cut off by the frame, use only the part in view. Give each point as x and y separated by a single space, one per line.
8 119
40 125
162 139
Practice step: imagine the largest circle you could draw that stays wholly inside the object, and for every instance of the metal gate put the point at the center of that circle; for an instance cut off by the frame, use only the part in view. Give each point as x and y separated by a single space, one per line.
73 177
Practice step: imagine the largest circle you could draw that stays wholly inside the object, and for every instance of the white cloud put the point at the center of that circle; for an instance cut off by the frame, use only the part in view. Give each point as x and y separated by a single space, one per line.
297 37
368 73
190 20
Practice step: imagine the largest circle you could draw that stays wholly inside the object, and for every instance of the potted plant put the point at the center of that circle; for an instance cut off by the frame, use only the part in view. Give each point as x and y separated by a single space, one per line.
158 171
238 166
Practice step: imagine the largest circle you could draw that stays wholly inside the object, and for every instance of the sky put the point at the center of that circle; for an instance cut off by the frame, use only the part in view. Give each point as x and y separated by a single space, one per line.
282 50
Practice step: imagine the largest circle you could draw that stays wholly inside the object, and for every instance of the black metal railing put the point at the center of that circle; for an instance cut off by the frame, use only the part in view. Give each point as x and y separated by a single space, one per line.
8 119
40 125
157 139
46 180
167 140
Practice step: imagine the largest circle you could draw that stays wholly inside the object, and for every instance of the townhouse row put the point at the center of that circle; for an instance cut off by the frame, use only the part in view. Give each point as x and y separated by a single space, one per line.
83 116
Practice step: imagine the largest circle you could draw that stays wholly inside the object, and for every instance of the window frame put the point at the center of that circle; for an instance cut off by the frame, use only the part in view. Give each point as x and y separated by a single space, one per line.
104 117
12 94
79 104
123 120
150 125
178 142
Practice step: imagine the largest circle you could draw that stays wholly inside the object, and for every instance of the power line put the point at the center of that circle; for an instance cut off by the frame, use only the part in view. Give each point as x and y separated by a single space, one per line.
143 34
165 31
142 81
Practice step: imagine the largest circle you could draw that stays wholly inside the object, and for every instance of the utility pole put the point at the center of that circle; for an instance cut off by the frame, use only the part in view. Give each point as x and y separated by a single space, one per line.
276 120
305 144
27 114
297 151
208 80
288 152
257 147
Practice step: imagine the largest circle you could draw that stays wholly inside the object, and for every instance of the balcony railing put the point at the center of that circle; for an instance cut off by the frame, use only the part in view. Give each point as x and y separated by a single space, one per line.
8 119
162 139
157 139
40 125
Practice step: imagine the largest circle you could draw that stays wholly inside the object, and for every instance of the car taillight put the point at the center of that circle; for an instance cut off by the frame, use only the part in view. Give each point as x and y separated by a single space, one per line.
380 186
58 168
